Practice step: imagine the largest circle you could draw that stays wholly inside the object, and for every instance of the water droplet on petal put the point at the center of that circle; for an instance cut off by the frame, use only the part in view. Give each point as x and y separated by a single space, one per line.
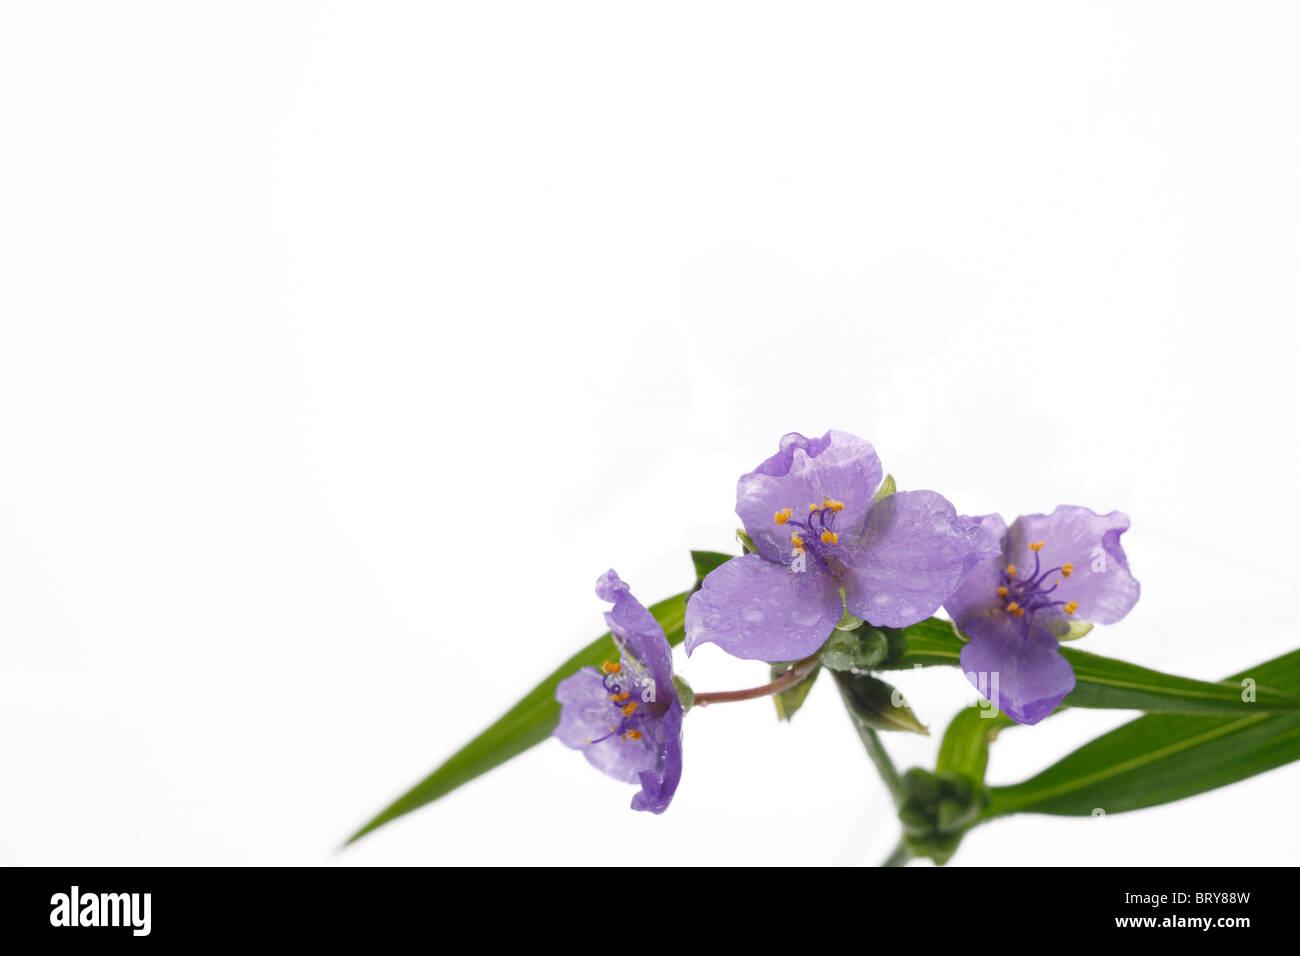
804 616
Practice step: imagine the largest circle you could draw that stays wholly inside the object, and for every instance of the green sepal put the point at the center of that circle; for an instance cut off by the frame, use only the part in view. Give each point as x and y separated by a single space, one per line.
887 488
877 705
684 692
936 810
1074 630
861 648
791 699
848 622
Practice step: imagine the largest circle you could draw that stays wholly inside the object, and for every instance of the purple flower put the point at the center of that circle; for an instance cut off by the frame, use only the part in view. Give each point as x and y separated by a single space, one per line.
811 512
625 716
1053 570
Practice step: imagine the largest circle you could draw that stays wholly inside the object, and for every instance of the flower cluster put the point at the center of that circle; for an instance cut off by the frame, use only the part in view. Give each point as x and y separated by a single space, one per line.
829 538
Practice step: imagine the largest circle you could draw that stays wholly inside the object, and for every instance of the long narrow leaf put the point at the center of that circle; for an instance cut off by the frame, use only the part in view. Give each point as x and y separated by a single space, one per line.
1165 757
1101 682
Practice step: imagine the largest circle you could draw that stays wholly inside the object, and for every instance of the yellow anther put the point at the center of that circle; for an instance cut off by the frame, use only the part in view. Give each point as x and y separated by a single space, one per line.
1019 612
1011 570
814 507
611 667
1067 569
1002 592
782 516
1037 546
1013 607
797 541
630 709
633 735
619 698
1071 607
830 537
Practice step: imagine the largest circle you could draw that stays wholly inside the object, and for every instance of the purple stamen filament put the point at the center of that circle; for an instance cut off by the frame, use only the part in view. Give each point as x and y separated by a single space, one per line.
821 520
621 696
1025 597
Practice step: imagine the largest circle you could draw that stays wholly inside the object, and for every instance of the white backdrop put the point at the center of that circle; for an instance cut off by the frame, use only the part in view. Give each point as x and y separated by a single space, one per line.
342 346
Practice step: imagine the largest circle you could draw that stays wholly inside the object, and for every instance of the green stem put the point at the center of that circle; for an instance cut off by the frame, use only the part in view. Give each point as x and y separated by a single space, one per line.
880 757
899 857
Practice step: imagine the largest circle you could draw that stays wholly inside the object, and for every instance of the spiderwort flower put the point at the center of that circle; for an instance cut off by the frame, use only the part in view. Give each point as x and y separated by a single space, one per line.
811 512
1052 571
625 716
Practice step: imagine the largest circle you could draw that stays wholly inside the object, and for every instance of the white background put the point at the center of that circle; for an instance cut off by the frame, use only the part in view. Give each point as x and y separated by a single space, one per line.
342 346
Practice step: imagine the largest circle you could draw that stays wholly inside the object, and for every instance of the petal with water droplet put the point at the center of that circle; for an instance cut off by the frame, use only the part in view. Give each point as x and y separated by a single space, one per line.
759 610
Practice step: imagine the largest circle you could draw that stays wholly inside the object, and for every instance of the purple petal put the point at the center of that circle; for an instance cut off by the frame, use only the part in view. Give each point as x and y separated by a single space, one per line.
1100 582
911 556
838 466
637 633
758 610
1018 668
978 592
659 785
587 714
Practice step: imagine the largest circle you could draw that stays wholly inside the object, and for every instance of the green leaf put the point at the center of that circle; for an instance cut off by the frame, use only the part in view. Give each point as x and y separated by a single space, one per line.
1107 683
705 562
965 746
1102 682
531 720
791 699
930 643
1160 758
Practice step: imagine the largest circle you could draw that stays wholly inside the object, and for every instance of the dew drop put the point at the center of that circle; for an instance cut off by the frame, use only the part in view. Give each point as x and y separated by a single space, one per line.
804 616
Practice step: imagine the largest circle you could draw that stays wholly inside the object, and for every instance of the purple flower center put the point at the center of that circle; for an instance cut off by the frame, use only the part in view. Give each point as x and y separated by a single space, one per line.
1024 596
630 693
817 532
